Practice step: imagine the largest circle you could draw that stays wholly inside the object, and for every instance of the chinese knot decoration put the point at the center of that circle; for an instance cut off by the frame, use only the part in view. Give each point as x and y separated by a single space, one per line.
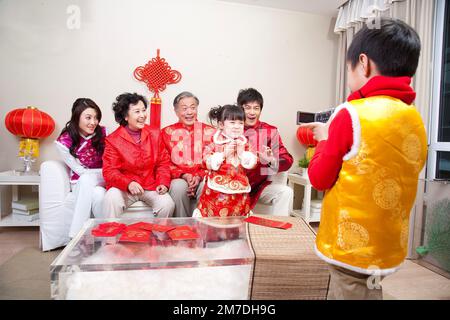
156 74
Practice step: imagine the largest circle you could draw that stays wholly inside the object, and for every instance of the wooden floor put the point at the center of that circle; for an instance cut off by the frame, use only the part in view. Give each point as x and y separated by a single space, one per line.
412 281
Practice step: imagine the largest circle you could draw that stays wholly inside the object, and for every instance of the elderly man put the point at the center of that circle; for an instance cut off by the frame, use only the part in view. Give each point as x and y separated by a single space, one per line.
274 157
185 142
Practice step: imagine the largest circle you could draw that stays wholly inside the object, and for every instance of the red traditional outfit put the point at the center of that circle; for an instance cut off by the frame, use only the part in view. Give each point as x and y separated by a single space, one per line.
145 162
227 188
185 145
259 136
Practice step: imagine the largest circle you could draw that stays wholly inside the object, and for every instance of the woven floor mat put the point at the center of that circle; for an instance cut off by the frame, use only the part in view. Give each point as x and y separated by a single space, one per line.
286 266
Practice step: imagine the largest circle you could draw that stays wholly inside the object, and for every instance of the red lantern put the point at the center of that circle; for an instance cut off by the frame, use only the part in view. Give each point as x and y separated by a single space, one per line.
29 124
306 137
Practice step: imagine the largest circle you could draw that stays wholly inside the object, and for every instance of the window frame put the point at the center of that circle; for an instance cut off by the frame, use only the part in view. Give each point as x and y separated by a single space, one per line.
434 145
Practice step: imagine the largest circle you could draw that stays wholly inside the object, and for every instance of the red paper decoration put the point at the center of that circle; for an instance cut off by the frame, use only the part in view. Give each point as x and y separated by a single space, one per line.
156 74
306 137
29 123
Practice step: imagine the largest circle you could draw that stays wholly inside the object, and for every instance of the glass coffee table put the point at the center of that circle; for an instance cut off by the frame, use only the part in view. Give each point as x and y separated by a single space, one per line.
216 265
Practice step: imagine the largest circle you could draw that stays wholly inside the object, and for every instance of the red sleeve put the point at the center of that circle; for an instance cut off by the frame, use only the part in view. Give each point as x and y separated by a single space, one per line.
163 175
175 172
326 163
111 168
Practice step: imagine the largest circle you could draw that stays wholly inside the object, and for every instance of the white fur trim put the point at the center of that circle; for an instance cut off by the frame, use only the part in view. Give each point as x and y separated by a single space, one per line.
196 213
248 159
216 138
215 160
220 188
376 272
226 139
356 129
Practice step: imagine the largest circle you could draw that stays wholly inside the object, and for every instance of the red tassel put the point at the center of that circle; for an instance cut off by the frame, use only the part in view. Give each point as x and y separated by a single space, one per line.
155 112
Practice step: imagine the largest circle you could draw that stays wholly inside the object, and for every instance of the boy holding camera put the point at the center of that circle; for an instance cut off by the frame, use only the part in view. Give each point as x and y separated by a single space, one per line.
368 160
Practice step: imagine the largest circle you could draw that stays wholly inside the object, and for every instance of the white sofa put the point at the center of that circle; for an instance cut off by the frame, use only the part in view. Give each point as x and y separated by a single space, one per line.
56 204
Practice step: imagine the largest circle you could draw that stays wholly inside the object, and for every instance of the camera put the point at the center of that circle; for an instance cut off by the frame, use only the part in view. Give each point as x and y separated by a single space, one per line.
306 117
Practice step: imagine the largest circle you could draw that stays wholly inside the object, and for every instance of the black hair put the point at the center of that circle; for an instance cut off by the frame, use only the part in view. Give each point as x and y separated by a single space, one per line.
122 105
72 127
392 44
226 112
249 95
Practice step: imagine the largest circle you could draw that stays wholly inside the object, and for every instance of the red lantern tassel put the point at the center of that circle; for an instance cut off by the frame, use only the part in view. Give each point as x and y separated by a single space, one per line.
155 112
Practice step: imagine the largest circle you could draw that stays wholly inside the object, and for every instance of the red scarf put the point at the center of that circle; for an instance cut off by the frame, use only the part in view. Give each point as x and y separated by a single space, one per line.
396 87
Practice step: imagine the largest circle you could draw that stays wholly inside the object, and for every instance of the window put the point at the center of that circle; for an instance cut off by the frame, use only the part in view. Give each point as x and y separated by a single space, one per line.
439 151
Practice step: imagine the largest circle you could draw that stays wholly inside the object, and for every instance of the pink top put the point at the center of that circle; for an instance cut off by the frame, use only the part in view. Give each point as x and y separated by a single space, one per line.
86 154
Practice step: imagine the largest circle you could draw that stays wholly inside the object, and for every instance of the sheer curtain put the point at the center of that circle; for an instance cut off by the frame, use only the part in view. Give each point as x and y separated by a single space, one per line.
417 13
420 15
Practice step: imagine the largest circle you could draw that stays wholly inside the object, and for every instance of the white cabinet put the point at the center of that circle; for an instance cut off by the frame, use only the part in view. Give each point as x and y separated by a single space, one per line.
15 179
306 213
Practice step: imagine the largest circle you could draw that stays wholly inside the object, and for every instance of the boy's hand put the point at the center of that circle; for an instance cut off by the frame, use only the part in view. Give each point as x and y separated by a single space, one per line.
319 129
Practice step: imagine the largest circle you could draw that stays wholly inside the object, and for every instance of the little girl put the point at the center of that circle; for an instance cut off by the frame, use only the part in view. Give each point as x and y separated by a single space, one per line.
226 190
81 145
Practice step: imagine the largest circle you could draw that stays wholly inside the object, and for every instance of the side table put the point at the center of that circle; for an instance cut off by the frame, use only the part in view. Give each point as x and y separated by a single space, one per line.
15 179
305 213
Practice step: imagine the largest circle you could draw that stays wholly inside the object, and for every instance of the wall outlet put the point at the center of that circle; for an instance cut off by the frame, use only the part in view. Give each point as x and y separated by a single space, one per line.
34 188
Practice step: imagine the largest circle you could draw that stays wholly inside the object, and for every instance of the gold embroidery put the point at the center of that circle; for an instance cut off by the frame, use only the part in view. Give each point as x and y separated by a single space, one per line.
352 236
223 212
412 149
387 194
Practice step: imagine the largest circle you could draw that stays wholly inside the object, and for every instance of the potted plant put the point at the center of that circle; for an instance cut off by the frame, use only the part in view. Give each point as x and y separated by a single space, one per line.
303 164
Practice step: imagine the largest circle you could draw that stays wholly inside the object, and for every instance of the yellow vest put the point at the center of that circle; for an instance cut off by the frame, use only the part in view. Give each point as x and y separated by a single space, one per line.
365 216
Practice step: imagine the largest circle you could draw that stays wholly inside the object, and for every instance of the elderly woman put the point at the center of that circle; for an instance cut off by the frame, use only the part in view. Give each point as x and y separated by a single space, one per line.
135 161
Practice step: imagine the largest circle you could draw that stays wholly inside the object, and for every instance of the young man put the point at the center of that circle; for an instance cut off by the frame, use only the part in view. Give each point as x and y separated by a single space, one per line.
368 159
274 157
185 141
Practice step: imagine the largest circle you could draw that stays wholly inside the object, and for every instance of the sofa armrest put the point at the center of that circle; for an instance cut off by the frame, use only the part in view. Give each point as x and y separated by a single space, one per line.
279 178
55 183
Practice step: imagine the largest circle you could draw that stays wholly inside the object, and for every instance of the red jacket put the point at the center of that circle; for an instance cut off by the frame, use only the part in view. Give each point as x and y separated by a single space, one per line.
185 145
264 134
125 161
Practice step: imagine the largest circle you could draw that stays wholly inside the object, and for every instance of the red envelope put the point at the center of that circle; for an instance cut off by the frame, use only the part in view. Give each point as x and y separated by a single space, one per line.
135 235
160 231
109 229
268 223
141 225
161 228
182 233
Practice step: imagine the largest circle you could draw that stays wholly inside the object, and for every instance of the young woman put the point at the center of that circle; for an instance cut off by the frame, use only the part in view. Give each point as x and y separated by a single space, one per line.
81 144
226 191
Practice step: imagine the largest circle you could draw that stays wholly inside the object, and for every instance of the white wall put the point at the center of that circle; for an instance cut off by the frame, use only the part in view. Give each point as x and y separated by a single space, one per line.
218 47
